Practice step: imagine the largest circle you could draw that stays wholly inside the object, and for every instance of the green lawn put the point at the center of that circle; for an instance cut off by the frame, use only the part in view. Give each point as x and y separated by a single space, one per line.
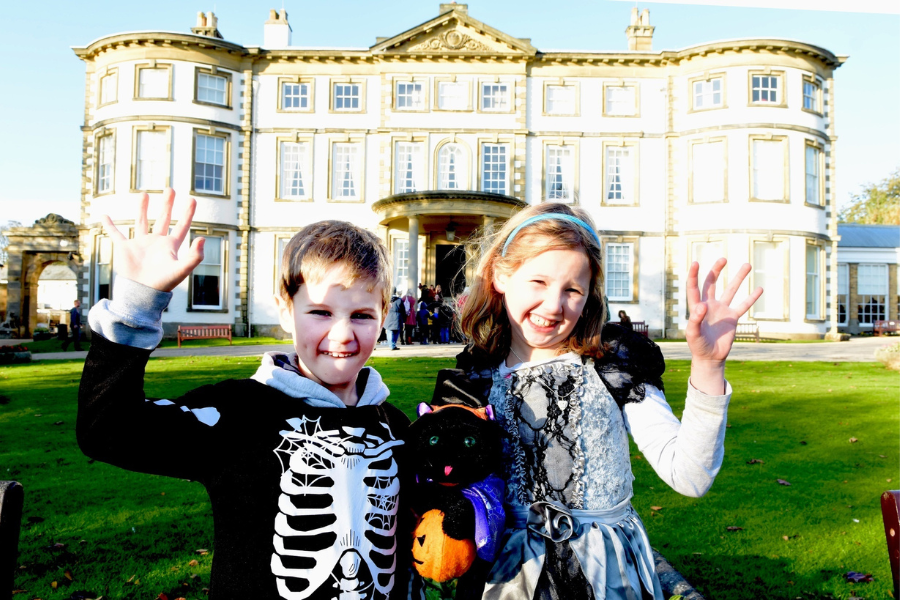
126 535
55 345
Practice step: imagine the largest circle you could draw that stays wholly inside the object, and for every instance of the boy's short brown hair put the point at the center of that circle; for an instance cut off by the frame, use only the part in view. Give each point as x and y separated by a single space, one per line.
333 244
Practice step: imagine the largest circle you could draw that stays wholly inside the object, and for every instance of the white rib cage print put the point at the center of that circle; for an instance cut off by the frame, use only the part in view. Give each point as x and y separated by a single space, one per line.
337 514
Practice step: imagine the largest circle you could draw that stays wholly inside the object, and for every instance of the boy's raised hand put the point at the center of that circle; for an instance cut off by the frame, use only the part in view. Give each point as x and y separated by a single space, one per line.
713 322
151 257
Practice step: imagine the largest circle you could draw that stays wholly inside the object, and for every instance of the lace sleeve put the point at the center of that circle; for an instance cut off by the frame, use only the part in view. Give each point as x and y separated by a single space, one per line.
629 363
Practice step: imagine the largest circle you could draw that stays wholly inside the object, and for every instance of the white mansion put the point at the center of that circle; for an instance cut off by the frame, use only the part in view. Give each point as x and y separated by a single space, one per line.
721 149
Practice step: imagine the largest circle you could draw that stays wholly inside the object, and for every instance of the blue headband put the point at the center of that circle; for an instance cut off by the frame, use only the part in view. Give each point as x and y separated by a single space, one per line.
544 217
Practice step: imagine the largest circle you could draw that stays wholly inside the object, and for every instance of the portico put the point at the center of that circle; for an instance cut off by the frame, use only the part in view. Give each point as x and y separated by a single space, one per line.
430 229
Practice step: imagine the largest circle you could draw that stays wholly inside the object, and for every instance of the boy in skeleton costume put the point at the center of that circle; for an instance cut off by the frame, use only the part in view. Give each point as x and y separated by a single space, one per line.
301 460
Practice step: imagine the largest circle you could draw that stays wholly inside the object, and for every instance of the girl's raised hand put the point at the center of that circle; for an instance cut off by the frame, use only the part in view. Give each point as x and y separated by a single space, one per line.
713 322
151 257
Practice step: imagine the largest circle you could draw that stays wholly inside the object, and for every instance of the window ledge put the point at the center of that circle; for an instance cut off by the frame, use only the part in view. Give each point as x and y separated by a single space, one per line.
206 194
215 104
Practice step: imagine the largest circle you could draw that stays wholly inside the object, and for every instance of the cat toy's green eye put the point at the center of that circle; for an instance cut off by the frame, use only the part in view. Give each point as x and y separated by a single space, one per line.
469 441
433 441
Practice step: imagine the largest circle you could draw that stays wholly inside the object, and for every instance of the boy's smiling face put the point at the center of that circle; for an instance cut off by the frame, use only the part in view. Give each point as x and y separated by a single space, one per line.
335 326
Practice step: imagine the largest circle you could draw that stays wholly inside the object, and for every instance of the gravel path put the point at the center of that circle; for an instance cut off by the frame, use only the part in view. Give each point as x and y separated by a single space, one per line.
856 350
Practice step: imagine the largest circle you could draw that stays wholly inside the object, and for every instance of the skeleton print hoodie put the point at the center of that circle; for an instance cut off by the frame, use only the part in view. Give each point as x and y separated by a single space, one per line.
305 491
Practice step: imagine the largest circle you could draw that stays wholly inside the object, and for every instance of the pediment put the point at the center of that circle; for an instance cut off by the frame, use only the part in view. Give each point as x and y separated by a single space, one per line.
454 33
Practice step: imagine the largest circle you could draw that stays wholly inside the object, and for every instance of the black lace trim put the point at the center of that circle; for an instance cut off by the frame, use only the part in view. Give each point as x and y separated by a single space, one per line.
629 362
548 446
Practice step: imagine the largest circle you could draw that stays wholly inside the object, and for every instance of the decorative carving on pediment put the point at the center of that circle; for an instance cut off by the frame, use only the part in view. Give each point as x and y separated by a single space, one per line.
53 219
453 40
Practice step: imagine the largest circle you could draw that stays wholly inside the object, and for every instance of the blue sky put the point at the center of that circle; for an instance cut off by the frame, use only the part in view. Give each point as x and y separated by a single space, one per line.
42 99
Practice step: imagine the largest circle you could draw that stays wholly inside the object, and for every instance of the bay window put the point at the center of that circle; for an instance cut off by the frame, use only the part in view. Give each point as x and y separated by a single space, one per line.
208 278
708 183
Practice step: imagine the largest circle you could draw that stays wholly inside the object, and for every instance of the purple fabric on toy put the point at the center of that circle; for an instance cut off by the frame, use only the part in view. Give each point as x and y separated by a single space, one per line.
486 497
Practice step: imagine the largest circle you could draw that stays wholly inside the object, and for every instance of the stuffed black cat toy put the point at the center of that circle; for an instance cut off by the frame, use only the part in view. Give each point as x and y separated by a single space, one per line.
455 452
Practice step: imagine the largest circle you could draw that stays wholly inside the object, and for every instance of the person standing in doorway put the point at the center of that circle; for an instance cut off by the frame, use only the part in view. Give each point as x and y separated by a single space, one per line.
75 326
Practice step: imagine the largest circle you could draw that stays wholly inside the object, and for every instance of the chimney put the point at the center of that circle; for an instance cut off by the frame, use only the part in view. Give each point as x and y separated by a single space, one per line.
208 25
445 8
640 32
277 30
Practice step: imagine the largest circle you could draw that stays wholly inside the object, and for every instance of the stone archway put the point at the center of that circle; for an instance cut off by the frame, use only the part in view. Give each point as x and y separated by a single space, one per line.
51 239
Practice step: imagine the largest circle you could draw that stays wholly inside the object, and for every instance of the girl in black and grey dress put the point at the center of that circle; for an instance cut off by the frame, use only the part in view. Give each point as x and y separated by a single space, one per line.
568 391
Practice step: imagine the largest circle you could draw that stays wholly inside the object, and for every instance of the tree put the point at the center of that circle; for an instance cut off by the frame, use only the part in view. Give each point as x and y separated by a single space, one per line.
878 204
4 241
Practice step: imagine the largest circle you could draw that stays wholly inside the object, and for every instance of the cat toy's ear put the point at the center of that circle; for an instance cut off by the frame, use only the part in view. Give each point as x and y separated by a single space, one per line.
453 387
423 409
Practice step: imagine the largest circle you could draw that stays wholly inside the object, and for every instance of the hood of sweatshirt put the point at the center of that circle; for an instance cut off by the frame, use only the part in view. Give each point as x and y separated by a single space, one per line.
279 370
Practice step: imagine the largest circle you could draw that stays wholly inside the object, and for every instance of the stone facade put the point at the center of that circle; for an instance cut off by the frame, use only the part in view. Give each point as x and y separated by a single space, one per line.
723 148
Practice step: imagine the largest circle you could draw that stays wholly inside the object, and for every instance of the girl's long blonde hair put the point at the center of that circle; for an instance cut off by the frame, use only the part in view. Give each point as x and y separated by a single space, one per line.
483 317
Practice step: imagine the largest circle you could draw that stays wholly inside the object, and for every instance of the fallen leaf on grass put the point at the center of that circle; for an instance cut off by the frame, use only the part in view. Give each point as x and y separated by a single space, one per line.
193 563
202 551
882 456
855 577
853 440
162 597
755 461
782 482
785 538
656 508
54 585
59 422
734 528
68 575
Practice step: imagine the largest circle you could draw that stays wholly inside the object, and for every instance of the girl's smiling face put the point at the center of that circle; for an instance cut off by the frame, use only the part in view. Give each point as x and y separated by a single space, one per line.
544 299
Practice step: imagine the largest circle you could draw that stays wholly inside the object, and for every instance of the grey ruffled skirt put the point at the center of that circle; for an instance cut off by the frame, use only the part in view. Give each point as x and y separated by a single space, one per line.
549 551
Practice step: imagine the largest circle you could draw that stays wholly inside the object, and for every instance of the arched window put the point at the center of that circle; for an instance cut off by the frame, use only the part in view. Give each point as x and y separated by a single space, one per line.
452 169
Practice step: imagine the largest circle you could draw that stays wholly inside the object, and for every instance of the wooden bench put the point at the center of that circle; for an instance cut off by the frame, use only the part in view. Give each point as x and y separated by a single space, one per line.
747 331
886 327
890 513
204 332
640 327
11 498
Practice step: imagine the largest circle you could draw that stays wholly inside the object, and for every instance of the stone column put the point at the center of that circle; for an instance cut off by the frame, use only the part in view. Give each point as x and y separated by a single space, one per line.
853 300
893 301
413 268
488 224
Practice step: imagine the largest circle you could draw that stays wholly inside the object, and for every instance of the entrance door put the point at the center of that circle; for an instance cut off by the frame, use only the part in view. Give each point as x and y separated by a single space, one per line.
450 271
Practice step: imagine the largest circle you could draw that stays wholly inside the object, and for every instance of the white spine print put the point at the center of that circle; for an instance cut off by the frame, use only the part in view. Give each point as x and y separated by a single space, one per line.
332 472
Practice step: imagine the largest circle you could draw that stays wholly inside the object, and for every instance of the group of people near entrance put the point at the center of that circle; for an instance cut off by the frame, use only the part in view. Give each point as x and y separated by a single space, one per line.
428 318
307 462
